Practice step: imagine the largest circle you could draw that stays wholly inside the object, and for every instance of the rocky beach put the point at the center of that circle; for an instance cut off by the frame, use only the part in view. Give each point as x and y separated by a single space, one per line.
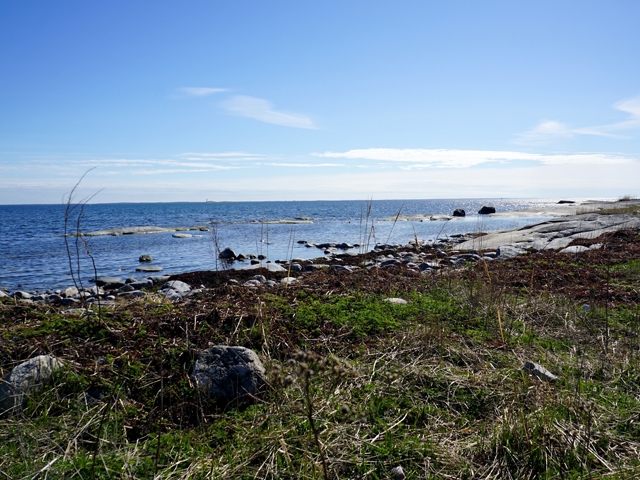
454 350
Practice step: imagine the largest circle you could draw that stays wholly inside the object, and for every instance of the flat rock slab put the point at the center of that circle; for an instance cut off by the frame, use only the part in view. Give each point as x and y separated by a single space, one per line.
149 269
552 234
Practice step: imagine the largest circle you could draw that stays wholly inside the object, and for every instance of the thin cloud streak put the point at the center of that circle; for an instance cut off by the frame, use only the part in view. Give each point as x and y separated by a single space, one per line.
440 158
201 91
262 110
549 130
223 154
302 165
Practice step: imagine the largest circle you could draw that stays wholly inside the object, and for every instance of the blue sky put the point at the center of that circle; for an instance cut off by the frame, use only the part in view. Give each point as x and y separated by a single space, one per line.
290 100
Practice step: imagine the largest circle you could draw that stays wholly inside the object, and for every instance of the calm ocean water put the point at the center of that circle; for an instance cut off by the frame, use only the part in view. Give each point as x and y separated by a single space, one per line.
33 254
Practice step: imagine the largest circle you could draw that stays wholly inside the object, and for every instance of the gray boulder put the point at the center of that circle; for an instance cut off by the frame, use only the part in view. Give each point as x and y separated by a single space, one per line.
145 258
270 267
230 376
508 251
538 371
175 290
148 283
22 295
109 282
28 377
159 278
458 212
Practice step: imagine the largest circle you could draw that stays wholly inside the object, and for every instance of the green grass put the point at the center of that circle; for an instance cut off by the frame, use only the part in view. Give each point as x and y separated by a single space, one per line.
434 386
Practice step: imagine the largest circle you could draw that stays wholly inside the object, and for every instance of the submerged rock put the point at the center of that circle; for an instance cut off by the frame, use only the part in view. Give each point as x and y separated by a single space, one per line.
148 269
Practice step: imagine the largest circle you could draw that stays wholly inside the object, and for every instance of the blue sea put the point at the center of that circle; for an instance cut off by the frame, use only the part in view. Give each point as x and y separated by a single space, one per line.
33 255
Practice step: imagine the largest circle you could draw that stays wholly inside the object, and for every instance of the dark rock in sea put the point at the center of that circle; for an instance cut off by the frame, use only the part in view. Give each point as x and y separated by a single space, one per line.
302 242
230 376
130 280
227 254
262 257
458 212
255 262
561 202
486 210
145 258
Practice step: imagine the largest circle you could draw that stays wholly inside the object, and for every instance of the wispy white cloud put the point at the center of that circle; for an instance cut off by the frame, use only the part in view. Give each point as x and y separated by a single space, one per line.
262 110
223 154
302 165
550 130
201 91
125 163
440 158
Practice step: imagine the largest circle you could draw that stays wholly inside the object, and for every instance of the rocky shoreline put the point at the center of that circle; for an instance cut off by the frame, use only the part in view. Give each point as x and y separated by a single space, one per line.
425 257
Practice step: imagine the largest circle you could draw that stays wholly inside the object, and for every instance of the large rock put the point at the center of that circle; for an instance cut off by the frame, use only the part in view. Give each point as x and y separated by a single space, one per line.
230 376
538 371
486 210
22 295
175 290
145 258
177 285
227 254
458 212
271 267
28 377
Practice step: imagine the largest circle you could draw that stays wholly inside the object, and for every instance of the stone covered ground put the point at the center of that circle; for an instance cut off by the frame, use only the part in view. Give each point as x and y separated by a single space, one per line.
447 405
